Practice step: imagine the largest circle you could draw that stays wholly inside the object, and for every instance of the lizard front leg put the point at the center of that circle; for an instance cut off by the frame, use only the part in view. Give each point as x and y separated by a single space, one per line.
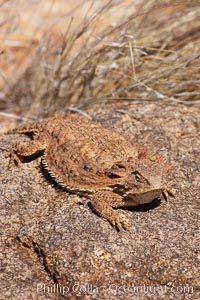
22 149
102 203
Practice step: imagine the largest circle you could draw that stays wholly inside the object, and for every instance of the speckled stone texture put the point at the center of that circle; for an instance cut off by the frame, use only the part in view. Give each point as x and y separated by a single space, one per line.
54 247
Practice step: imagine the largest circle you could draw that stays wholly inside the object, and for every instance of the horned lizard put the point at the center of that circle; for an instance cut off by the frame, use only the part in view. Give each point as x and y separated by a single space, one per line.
103 165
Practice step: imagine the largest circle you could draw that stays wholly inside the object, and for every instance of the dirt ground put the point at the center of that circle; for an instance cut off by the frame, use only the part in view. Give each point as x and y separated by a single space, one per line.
54 247
133 66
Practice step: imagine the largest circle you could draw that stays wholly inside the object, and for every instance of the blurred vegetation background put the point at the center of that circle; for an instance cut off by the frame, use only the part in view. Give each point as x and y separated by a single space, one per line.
56 53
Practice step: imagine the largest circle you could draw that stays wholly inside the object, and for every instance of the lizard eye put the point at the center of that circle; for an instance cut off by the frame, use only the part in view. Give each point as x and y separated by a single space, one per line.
138 176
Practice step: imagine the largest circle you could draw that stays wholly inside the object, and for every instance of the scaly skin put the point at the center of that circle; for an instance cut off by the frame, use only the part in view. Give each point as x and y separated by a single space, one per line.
100 163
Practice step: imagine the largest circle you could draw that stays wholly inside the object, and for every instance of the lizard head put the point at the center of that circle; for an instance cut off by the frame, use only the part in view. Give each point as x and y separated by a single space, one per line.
141 180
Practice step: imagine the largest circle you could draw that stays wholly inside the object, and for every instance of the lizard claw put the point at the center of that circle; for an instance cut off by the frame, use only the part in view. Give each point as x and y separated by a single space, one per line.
120 222
167 193
14 159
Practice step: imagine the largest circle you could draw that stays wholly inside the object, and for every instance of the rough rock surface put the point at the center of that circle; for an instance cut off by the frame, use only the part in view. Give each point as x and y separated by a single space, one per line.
54 247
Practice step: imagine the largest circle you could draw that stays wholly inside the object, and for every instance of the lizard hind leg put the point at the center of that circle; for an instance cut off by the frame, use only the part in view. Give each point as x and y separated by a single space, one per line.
102 202
24 149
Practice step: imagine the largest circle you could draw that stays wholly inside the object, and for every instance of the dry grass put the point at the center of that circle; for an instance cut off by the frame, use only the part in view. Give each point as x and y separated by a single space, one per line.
150 53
